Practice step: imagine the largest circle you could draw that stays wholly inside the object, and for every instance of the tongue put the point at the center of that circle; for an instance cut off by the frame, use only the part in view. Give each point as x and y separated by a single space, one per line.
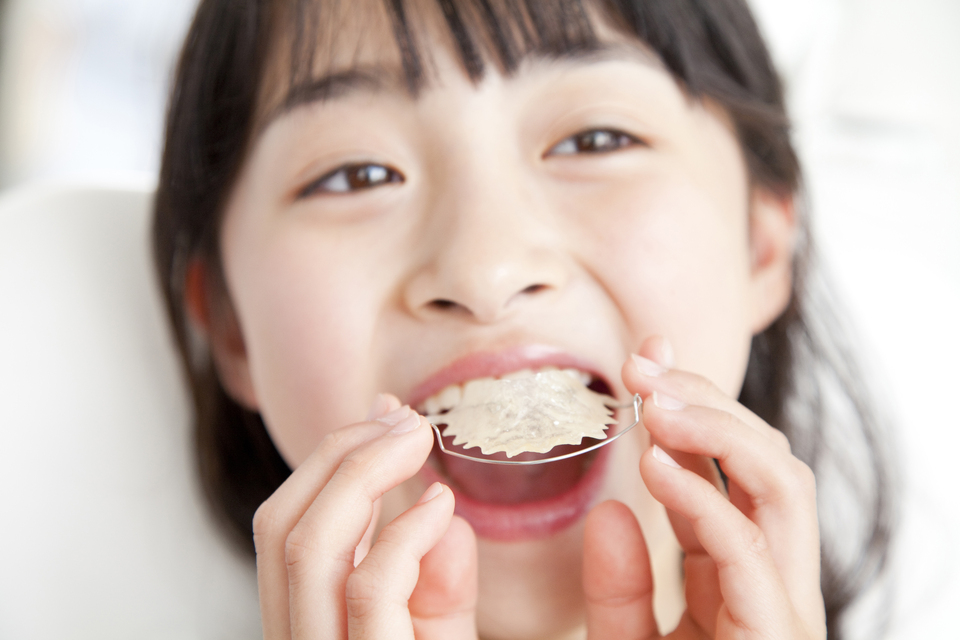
501 484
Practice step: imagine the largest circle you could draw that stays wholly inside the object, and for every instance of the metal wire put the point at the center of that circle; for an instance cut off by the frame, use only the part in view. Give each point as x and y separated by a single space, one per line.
636 404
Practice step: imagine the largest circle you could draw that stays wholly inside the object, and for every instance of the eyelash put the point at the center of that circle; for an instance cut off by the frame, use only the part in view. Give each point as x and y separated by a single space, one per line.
352 177
357 177
594 141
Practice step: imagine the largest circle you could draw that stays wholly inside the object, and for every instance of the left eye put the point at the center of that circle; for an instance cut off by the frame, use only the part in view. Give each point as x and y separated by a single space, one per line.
593 141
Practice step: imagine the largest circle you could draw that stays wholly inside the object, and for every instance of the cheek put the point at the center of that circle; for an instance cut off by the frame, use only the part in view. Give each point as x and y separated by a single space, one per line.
677 264
306 320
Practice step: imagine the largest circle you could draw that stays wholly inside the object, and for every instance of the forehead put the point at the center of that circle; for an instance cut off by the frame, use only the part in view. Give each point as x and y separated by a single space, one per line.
325 48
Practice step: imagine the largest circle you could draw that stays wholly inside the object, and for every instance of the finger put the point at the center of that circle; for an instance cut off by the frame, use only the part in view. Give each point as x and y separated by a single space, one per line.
291 500
383 404
377 591
768 474
644 376
320 550
772 488
701 583
617 580
783 505
444 602
704 467
754 596
768 483
367 540
658 349
277 516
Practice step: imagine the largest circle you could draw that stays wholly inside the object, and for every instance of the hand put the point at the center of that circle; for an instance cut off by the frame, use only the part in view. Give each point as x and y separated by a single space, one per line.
319 576
752 561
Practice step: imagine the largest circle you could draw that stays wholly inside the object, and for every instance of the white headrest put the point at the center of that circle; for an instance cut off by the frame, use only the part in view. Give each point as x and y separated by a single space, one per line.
103 531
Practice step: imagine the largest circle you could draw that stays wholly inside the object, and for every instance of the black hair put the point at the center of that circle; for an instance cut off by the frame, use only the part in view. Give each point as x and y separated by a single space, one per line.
800 377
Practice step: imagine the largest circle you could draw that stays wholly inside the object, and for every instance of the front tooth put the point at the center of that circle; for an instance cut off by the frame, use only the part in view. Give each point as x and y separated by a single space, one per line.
515 375
432 406
582 376
450 397
474 382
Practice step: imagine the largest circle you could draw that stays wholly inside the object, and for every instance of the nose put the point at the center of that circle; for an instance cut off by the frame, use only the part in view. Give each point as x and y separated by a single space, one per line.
488 251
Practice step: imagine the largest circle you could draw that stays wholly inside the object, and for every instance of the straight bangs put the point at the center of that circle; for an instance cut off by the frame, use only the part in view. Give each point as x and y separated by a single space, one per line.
319 44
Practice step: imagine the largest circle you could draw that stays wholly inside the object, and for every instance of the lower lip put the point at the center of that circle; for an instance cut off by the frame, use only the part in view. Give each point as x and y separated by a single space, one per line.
529 520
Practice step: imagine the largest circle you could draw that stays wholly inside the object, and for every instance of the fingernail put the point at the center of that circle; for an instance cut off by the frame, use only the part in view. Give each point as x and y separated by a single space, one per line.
647 367
394 417
432 492
379 407
663 457
666 402
406 425
667 352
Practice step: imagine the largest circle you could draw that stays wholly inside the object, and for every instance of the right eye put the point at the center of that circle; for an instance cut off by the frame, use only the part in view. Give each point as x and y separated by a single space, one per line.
352 177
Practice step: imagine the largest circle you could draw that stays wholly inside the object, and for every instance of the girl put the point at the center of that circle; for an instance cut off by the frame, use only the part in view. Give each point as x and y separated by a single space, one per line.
368 204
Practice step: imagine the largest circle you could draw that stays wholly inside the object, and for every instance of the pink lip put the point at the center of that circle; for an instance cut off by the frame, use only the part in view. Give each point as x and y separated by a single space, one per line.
484 364
530 520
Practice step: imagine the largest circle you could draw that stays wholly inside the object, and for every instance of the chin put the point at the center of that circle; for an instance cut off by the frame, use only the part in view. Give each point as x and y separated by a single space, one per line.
532 589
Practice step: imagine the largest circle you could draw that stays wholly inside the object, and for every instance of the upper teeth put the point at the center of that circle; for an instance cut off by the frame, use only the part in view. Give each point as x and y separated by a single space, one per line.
449 397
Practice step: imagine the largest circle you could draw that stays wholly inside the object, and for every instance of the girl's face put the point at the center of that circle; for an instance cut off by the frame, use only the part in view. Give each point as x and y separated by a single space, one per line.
380 242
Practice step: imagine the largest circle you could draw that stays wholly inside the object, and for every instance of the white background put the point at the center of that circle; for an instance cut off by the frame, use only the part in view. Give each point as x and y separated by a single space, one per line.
874 88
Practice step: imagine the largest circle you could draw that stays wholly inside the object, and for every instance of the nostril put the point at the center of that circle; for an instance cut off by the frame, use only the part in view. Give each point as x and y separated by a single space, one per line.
481 310
442 305
534 288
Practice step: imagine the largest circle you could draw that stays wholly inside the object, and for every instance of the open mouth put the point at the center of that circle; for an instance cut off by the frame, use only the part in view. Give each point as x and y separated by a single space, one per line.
517 502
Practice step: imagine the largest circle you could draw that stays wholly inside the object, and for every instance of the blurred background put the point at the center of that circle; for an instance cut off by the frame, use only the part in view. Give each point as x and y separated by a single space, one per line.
874 90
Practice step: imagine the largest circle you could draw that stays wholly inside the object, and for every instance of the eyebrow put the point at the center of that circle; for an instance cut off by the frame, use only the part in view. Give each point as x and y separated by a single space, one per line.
372 79
339 84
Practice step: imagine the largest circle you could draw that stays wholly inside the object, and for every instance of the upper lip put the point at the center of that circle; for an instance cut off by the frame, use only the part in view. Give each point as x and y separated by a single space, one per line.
491 364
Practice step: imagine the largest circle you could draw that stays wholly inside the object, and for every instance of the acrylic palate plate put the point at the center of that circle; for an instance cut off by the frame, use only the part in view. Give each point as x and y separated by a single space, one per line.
533 413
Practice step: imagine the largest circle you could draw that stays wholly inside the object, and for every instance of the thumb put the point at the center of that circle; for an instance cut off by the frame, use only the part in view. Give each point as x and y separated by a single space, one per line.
443 604
617 580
